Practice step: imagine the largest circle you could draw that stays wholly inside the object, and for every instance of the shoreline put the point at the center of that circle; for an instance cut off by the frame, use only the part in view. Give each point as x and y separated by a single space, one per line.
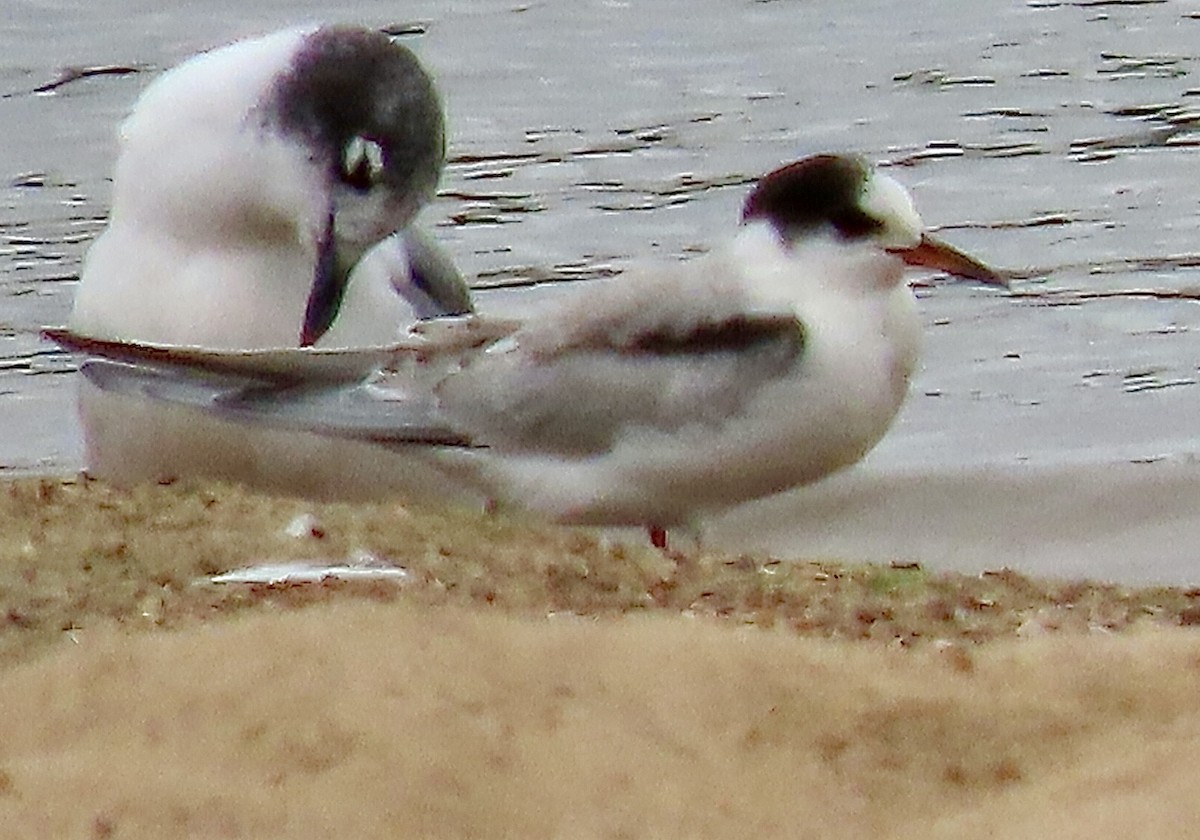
1136 524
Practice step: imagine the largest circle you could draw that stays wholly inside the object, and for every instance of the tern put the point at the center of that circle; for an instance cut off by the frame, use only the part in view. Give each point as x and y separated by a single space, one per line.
251 182
264 196
654 399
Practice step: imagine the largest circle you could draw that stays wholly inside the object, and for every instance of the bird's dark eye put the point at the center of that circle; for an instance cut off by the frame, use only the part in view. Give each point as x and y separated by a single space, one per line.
362 163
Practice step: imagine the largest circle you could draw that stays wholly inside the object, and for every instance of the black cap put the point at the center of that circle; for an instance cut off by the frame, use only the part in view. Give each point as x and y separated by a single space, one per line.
347 82
819 191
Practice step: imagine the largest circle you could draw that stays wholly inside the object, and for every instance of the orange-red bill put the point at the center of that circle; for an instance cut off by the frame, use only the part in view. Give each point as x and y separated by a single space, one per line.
933 253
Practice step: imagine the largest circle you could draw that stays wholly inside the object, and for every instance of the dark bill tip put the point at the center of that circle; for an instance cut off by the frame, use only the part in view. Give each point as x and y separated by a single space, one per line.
328 289
941 256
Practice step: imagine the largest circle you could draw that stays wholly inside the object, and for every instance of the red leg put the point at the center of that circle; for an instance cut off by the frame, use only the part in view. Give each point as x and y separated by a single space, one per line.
658 536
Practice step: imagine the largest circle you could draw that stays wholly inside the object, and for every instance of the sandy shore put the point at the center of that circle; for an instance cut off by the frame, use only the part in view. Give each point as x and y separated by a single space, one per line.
542 682
1136 524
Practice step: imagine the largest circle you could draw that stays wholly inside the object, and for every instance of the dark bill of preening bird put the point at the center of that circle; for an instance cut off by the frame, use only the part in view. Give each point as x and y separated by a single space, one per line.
370 116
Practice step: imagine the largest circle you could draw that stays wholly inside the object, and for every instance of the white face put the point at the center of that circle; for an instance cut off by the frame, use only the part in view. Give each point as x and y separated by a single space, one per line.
365 208
885 199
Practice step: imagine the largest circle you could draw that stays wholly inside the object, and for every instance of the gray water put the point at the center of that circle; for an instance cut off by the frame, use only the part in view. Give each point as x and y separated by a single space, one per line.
1054 138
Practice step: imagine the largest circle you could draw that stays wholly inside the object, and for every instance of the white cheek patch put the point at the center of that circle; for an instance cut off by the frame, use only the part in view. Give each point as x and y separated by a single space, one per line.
885 199
362 158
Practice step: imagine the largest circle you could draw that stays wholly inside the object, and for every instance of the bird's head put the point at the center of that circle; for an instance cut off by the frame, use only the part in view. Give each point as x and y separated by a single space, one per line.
844 198
371 120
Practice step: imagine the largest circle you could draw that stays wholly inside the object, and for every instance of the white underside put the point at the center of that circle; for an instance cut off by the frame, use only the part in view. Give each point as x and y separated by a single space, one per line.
131 441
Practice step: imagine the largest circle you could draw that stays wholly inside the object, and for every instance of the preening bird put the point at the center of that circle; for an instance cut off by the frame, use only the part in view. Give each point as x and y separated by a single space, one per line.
264 196
251 182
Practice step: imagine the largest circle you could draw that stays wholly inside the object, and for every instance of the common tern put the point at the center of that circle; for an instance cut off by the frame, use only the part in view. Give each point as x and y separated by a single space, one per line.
663 395
251 182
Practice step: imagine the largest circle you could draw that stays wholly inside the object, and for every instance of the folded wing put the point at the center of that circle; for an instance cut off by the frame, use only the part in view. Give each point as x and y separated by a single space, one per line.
353 411
577 395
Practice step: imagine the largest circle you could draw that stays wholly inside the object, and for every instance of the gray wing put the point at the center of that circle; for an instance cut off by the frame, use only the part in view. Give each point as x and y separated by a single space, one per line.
337 410
580 396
